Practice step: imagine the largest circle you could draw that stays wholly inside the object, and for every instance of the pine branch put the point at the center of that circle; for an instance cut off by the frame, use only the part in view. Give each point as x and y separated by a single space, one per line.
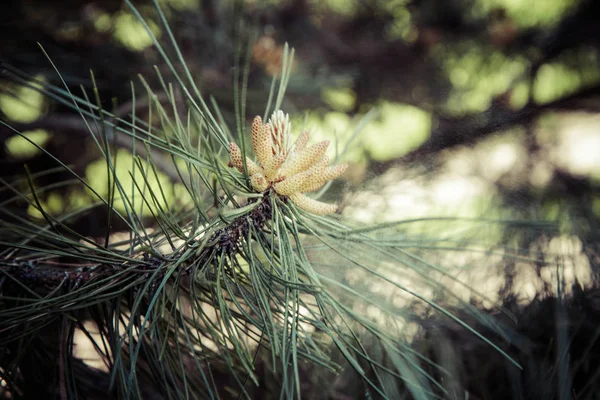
51 274
220 285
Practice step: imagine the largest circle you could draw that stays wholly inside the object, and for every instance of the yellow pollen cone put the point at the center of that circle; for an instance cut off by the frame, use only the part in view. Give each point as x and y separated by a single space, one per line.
259 182
305 159
261 141
312 205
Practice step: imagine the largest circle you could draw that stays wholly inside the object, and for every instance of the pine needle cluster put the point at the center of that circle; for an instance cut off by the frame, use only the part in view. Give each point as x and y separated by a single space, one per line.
251 271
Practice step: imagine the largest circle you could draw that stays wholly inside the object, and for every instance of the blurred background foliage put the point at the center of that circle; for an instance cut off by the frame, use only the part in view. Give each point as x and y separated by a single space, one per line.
495 100
483 108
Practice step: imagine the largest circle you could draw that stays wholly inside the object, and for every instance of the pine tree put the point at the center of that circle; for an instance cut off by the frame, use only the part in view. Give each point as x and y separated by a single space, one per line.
246 282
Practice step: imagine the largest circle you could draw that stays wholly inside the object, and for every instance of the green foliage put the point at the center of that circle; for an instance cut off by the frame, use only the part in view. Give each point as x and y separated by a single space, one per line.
187 303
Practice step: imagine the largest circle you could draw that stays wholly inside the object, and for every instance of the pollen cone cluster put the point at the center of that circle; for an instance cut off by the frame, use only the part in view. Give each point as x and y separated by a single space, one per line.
290 170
